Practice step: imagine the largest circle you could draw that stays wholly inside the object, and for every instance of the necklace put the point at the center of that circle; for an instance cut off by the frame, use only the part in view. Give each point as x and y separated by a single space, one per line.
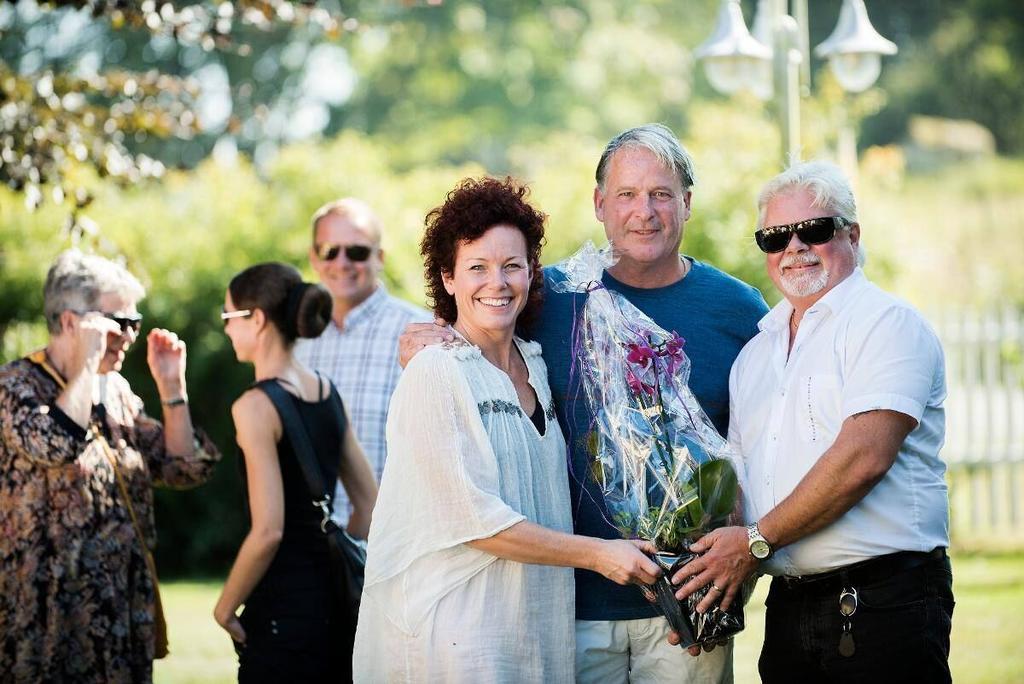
686 266
512 366
794 323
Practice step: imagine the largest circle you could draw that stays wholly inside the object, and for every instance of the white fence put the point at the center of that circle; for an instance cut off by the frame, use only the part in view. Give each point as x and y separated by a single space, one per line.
985 423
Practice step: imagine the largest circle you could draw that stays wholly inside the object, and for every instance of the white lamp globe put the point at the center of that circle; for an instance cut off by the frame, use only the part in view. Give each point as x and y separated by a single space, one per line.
856 71
732 58
733 73
854 49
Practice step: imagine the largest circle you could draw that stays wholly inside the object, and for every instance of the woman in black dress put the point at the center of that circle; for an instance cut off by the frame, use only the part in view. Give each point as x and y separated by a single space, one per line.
292 627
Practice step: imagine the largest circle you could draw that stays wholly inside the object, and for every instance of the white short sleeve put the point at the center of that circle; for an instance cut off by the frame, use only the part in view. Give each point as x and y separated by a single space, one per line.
892 362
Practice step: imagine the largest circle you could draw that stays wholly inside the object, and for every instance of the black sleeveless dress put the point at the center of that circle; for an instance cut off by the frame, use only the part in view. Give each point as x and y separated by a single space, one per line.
295 629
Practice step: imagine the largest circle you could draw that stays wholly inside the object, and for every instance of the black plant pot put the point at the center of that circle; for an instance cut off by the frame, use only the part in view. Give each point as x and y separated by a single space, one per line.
692 627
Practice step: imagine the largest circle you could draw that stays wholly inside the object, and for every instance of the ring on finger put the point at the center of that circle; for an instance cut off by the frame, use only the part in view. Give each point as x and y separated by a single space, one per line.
716 587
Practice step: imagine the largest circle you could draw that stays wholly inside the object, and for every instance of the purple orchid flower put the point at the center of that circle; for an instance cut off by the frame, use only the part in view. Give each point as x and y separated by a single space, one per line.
637 385
672 351
675 345
640 354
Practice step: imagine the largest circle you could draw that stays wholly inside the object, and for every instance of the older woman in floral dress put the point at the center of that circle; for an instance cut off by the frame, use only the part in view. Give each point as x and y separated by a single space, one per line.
77 601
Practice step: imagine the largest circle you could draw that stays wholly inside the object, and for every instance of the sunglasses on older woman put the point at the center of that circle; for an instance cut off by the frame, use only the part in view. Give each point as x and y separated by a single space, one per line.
131 322
815 231
327 251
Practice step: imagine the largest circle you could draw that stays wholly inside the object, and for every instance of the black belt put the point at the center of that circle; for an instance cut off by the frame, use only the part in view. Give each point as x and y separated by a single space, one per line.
865 572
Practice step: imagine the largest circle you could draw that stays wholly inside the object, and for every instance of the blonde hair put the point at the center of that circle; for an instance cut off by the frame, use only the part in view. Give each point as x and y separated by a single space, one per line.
356 210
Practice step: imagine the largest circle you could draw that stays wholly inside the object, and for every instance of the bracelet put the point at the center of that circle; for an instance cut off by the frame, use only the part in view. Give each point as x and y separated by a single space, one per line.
175 401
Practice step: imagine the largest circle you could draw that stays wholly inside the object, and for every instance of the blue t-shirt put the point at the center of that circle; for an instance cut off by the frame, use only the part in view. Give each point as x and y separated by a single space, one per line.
715 314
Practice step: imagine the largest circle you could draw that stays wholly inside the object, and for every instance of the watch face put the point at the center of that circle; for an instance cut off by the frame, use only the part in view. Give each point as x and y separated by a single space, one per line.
760 549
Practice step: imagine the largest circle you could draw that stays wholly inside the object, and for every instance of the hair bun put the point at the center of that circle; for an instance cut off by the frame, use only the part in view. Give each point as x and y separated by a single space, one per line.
313 309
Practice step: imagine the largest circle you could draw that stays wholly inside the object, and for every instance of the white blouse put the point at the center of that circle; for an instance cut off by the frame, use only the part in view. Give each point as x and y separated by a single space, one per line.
465 463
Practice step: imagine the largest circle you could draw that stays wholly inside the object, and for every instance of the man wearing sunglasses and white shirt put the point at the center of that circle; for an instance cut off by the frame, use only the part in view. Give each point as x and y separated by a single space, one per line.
359 349
836 409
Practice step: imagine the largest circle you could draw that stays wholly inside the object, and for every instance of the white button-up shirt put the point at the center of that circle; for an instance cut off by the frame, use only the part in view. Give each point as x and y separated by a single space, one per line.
857 349
362 361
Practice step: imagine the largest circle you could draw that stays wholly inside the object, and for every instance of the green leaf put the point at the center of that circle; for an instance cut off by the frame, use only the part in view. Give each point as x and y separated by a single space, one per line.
716 489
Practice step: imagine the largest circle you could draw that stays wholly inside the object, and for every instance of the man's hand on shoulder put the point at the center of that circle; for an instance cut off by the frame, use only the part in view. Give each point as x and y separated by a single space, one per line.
417 336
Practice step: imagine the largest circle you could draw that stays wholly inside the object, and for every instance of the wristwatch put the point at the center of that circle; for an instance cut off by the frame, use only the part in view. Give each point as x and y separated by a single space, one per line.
758 545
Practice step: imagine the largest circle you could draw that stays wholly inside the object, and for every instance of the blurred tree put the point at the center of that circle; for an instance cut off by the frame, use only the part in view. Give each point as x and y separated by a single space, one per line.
128 88
958 59
472 80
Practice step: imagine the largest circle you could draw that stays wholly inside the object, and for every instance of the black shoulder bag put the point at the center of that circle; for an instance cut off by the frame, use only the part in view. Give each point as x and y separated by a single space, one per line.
348 557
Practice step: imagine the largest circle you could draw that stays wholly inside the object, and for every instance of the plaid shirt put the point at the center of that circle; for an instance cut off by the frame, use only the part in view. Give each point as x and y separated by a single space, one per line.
362 361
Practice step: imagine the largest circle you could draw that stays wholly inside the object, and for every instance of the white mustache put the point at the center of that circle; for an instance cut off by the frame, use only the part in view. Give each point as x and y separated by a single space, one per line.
799 260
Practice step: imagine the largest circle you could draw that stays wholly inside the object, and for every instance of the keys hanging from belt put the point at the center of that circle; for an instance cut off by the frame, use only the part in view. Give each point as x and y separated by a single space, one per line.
848 603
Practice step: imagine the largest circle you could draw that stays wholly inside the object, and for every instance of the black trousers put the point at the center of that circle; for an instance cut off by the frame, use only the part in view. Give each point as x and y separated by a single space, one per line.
900 630
296 631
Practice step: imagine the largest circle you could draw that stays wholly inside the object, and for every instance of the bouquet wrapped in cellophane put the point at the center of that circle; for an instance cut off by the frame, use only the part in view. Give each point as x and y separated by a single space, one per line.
666 474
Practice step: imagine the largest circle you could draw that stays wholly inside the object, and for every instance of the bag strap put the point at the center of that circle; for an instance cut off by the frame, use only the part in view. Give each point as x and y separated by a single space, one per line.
40 360
299 438
339 411
161 647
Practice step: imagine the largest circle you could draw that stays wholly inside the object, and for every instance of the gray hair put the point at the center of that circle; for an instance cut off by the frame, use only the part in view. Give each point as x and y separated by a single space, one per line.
828 186
76 281
659 140
355 210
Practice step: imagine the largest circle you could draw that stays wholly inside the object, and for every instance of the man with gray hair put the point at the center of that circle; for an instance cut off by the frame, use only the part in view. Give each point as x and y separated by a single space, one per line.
836 410
643 193
78 459
358 351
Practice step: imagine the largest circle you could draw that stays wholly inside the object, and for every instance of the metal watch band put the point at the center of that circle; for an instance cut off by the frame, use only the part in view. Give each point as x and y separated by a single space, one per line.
755 538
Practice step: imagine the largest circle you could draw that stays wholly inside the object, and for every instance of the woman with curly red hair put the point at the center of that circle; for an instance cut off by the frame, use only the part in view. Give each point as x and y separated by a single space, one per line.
468 570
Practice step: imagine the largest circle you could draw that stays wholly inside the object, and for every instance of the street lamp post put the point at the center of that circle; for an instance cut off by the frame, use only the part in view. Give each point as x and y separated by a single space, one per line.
775 60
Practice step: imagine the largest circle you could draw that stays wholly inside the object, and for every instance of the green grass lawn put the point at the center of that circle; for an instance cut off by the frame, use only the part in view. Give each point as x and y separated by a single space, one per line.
201 651
988 622
988 627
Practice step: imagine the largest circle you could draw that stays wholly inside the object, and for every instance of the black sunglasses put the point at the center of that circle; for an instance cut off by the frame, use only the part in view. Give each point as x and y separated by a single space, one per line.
815 231
330 252
133 323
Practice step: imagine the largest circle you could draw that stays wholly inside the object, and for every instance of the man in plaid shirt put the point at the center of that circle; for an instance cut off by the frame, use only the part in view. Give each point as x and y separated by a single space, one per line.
359 349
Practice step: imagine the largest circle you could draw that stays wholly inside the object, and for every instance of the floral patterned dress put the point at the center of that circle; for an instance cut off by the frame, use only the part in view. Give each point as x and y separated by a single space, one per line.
76 600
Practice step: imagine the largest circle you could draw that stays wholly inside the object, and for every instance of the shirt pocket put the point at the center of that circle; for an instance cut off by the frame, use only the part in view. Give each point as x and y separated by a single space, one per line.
820 407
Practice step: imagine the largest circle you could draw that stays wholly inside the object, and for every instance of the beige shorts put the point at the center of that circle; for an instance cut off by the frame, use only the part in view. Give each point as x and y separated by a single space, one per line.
636 651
